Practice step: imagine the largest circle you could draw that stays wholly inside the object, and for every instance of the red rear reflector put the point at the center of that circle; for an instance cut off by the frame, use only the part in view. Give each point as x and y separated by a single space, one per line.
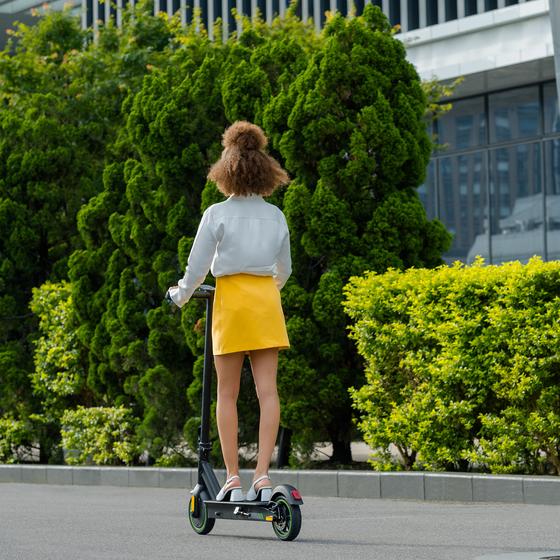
295 494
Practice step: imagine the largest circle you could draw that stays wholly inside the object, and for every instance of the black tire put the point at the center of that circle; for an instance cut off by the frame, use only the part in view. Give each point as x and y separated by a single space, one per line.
201 524
287 522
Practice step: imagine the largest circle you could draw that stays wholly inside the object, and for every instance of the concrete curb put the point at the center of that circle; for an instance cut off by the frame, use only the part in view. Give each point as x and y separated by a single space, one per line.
445 487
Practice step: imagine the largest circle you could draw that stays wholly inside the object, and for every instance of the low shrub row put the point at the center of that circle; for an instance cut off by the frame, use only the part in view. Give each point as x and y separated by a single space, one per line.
462 366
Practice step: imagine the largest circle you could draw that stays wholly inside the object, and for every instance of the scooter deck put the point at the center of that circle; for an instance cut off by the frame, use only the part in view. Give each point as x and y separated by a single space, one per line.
248 511
241 503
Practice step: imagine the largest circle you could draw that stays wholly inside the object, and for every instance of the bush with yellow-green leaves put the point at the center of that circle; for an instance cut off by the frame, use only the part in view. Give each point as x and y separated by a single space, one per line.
462 366
100 435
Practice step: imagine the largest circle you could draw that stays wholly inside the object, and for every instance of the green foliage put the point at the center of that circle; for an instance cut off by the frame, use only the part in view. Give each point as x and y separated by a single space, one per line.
58 380
104 151
13 435
99 435
61 108
350 127
462 366
59 370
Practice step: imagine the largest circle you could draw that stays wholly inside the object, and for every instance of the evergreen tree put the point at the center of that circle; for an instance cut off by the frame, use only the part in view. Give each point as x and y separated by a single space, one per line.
351 129
138 233
60 108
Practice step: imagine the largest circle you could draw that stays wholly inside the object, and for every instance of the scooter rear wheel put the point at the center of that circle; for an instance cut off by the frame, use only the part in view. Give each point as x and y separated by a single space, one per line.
201 524
287 519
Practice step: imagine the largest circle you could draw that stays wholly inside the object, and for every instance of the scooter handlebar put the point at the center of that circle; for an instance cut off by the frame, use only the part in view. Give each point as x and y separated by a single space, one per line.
204 292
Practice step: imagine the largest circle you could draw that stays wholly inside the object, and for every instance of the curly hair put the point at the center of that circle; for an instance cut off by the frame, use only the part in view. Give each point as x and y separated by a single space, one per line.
245 167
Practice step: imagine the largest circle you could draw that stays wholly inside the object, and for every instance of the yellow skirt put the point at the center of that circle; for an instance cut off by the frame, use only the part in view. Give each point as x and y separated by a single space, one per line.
247 314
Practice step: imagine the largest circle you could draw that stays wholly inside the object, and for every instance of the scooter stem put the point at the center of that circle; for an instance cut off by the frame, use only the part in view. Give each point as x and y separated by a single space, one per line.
204 444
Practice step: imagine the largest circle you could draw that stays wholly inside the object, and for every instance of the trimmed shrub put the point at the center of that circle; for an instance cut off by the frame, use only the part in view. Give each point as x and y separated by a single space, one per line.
463 366
100 435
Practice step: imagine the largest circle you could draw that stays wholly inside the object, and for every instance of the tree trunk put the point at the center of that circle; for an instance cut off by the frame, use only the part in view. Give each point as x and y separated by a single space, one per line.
342 452
284 448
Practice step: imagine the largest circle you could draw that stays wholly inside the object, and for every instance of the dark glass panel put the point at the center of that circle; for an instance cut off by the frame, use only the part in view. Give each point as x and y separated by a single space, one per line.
413 14
261 8
325 6
517 203
552 158
551 114
204 12
462 205
464 125
470 7
490 5
514 114
450 10
432 12
89 8
427 191
395 12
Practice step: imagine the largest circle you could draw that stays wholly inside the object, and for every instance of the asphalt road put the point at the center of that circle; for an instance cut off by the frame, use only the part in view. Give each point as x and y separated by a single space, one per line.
119 523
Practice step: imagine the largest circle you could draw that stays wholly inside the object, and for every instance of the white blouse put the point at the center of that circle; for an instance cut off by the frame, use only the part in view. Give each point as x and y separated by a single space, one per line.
244 234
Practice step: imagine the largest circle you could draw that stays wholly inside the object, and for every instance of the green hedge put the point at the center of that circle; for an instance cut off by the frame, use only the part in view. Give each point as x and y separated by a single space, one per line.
462 366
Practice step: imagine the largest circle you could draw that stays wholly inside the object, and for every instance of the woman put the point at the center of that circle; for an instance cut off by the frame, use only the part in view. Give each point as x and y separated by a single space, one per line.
245 243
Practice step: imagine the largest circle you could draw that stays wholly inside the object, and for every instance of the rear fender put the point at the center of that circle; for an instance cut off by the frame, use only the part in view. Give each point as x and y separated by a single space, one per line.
289 492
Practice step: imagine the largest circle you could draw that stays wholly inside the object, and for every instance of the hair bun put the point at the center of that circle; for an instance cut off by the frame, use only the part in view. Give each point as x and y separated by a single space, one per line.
244 136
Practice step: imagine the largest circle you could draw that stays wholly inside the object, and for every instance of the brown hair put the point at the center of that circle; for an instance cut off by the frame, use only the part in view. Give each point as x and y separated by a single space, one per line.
245 167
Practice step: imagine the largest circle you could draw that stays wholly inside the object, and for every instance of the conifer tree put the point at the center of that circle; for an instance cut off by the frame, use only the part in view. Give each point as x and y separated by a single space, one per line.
351 130
61 108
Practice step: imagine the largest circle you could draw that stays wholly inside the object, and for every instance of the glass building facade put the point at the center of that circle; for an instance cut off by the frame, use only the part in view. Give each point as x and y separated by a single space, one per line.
495 179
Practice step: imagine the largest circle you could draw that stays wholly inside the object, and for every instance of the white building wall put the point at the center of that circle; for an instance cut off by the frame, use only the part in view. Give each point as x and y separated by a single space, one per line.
486 42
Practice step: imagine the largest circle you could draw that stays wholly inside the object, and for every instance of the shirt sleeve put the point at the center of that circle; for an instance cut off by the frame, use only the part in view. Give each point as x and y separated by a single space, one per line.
284 260
199 262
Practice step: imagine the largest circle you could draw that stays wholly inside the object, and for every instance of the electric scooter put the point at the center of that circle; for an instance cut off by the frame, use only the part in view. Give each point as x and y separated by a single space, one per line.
283 509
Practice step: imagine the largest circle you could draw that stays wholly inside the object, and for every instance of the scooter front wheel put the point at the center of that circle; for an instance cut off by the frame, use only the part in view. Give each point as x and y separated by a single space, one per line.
198 516
287 519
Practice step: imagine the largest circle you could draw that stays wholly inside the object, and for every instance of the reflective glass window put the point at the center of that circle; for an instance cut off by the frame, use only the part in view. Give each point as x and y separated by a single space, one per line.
551 115
450 10
413 12
514 114
462 205
552 159
432 12
470 7
325 7
464 126
395 12
359 7
427 191
517 207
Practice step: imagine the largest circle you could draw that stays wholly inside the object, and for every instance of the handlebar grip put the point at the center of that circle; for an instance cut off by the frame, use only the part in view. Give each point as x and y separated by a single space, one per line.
204 292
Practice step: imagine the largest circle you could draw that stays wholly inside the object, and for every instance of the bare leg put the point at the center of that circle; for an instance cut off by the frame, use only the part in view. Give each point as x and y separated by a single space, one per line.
264 364
228 368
